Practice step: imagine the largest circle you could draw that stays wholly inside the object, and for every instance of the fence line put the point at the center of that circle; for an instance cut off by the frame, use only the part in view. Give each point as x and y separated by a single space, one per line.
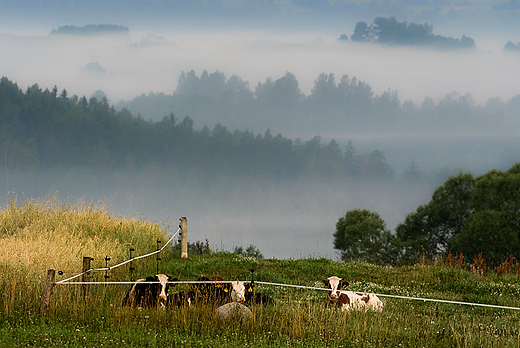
299 287
449 301
119 264
291 285
156 282
400 297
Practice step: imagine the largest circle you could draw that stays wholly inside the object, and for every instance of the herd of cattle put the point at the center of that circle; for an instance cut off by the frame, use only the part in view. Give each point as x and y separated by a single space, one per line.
153 292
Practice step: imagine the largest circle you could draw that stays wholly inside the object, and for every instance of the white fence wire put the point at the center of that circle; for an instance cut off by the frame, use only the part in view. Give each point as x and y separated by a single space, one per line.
119 264
400 297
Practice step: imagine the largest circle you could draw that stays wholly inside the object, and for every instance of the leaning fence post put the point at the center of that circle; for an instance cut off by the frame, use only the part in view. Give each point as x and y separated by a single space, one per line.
85 278
49 284
184 238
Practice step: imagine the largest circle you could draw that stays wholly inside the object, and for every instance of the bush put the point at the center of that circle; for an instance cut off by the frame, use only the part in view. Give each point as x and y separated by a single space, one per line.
250 251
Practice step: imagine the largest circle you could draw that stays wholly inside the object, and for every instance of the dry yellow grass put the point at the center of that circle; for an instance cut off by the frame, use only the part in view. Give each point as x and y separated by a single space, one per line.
45 234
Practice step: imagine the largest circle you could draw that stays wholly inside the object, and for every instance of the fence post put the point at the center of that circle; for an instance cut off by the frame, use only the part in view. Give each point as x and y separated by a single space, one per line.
49 285
184 238
86 277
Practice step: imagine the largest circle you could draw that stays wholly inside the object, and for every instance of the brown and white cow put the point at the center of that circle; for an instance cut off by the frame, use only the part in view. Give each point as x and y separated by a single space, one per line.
145 294
347 300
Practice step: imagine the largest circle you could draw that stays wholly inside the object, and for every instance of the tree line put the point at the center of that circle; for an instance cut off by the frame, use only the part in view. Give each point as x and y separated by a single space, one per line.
392 32
466 216
44 129
334 103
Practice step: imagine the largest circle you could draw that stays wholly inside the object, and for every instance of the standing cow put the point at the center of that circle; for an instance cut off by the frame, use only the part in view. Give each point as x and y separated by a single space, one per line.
349 299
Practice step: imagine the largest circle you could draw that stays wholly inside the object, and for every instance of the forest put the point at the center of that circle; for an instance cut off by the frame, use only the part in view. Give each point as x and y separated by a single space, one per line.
44 129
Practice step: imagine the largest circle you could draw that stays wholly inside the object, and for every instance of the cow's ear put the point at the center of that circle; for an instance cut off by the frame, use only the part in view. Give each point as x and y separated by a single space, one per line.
325 281
344 285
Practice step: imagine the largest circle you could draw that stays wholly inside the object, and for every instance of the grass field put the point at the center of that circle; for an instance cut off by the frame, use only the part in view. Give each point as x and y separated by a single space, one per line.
39 235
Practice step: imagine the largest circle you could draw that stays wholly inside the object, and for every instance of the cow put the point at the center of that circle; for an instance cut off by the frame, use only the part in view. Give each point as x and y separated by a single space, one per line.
180 299
253 297
144 294
347 300
215 294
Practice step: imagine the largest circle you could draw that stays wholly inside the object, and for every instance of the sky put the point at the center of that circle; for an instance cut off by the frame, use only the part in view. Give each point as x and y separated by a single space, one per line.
256 40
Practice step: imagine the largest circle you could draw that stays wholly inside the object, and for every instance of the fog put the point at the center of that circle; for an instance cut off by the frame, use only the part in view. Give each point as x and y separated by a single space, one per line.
282 220
298 222
143 62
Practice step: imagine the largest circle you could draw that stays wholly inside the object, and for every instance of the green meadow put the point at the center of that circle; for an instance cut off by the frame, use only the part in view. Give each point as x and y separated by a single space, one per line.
39 235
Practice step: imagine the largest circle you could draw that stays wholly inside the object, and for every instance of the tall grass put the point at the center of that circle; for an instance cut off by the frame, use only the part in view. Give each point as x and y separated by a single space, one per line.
39 235
47 234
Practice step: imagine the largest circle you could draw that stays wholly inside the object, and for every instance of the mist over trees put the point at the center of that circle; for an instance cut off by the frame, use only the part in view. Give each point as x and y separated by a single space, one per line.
52 141
47 130
261 182
344 103
392 32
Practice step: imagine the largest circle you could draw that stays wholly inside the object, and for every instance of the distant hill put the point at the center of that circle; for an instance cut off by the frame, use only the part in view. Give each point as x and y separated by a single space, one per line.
90 29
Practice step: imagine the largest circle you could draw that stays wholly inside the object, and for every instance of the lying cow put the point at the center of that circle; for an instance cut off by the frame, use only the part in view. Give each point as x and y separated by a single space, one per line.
349 299
144 294
253 297
215 294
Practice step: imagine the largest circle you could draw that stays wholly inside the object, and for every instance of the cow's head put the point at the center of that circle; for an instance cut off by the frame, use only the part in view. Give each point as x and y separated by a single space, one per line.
335 284
163 280
238 294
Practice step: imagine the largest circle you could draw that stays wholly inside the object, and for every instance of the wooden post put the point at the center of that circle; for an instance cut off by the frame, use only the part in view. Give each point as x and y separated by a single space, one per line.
86 277
49 285
184 238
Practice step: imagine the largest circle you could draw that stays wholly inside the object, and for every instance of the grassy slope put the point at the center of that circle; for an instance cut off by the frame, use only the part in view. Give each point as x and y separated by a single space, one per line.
299 318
